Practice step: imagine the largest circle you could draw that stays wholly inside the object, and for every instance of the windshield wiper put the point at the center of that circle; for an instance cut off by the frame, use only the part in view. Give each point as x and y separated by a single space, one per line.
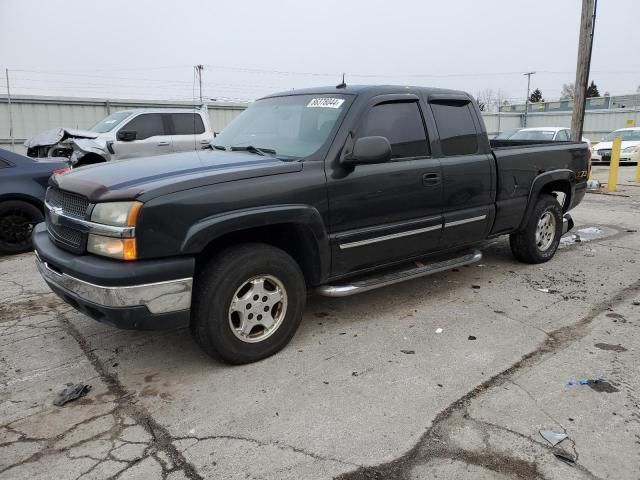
217 147
256 150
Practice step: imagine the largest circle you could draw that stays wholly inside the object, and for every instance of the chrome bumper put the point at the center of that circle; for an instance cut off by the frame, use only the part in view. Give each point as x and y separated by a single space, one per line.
160 297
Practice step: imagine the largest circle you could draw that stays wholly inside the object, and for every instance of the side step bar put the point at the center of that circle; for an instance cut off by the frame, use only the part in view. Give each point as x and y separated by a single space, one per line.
404 273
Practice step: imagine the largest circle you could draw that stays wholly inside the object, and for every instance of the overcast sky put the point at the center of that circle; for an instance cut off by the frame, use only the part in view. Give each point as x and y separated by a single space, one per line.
147 49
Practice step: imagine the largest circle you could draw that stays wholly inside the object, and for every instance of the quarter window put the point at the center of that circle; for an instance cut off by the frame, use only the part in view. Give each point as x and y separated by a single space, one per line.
401 124
4 164
458 135
146 125
562 136
187 124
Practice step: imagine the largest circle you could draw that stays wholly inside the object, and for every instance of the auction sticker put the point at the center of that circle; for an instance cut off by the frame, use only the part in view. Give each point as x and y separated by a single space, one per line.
325 103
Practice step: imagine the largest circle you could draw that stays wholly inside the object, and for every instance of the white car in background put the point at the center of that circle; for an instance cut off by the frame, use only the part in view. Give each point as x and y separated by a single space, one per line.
630 149
126 134
552 134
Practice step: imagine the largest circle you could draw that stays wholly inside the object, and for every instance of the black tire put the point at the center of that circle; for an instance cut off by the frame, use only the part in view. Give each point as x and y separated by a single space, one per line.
524 245
17 219
221 280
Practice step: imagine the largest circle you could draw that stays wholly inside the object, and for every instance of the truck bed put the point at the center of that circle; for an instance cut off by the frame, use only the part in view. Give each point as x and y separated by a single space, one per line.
519 162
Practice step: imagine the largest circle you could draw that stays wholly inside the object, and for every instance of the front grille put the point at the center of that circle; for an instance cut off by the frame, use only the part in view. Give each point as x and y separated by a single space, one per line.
604 153
66 235
61 232
72 204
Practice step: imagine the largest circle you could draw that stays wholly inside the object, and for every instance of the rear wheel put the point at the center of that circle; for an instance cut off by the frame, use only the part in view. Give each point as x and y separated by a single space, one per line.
17 219
539 240
248 303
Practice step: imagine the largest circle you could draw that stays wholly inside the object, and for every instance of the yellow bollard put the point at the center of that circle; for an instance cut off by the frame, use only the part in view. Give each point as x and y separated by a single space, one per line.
613 166
638 167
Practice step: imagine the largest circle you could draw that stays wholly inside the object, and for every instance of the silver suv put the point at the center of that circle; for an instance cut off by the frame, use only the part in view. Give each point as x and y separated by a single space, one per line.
126 134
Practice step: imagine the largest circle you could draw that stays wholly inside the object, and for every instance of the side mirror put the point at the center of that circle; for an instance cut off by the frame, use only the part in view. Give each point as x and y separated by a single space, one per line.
369 150
126 135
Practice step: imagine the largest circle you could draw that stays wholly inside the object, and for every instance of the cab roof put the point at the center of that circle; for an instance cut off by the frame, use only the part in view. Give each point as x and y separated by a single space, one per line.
368 90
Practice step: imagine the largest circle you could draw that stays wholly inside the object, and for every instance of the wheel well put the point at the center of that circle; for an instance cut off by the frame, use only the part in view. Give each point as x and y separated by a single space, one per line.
90 159
33 201
559 187
295 239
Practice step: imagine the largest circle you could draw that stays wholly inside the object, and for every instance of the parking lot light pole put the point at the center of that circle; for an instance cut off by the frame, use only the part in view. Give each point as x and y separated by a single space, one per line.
585 44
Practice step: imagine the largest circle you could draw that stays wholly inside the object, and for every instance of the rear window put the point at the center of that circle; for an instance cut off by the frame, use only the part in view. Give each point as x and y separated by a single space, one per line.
456 128
187 123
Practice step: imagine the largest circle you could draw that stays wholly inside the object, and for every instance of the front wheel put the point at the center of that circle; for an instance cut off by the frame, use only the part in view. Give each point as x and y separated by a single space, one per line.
248 303
539 240
17 219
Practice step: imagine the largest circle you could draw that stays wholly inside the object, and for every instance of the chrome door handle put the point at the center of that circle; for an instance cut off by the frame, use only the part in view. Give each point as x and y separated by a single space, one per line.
205 142
163 144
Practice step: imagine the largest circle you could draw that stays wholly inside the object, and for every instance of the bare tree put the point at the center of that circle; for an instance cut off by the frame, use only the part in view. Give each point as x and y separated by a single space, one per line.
568 91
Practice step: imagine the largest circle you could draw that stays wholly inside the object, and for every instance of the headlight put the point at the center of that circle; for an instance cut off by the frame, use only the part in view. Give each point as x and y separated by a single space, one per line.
120 243
120 248
117 214
633 149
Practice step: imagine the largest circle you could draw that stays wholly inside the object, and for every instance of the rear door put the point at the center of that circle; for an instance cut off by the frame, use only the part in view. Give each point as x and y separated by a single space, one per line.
467 170
152 137
189 132
391 211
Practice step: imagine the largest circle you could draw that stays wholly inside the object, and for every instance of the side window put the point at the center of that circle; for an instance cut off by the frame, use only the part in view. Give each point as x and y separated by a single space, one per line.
401 123
562 136
146 125
456 128
187 124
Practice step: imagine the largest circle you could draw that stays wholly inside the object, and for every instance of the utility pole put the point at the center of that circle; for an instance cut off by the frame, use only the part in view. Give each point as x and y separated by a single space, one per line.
526 102
6 73
199 69
585 44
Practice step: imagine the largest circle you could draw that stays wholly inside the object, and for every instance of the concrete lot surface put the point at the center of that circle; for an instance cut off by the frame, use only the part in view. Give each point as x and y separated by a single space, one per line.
367 388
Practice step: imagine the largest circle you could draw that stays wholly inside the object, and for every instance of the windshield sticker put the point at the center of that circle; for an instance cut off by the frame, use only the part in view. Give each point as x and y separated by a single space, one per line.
325 103
110 121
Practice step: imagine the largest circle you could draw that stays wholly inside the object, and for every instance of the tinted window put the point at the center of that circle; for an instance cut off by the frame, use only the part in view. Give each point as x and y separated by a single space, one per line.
562 136
401 124
187 123
457 131
146 125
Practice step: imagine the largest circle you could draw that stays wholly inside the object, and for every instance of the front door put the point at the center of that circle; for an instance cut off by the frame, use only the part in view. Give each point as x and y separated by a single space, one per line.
152 137
380 213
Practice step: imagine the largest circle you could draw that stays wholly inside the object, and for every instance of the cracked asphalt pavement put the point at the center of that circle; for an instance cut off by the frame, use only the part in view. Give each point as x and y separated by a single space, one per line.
367 389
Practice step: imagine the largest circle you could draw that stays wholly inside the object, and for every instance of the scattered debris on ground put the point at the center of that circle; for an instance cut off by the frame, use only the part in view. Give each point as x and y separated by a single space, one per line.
552 437
72 392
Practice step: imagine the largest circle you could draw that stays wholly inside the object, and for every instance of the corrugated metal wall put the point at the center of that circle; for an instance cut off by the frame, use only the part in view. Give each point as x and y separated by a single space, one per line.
597 123
32 115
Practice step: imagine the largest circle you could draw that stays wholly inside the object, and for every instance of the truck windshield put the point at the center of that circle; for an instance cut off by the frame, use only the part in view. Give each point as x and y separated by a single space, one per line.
291 127
109 123
625 134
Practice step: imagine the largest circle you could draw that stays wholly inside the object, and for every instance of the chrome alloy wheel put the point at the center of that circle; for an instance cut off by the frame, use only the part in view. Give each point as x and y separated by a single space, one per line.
258 308
545 231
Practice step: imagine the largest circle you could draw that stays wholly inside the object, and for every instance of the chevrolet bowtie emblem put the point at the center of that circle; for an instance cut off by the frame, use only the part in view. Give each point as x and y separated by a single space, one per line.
54 214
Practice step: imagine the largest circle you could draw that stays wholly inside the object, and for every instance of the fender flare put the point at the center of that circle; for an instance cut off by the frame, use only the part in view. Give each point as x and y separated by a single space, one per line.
208 229
542 181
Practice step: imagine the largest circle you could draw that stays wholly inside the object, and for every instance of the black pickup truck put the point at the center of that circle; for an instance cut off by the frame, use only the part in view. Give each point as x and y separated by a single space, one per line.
331 190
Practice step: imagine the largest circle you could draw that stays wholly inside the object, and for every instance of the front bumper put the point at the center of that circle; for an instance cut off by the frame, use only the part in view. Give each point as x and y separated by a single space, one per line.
156 296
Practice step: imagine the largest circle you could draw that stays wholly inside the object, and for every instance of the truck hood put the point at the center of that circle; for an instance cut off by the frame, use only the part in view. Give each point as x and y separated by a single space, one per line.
55 135
150 177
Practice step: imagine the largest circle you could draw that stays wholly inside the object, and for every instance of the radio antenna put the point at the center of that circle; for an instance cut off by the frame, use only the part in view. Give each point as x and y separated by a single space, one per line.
342 85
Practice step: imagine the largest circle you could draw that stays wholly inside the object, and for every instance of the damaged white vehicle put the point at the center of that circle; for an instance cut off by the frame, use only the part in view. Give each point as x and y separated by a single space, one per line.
126 134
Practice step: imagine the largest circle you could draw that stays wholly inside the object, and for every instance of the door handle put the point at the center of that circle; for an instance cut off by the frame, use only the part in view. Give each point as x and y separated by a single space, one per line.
205 142
429 179
163 144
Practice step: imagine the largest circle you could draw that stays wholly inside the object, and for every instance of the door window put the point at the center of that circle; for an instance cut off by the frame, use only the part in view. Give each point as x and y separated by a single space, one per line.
456 128
562 136
146 125
401 124
187 124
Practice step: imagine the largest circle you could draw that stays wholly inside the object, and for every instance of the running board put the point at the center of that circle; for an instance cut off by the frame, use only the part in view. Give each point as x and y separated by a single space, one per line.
404 273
